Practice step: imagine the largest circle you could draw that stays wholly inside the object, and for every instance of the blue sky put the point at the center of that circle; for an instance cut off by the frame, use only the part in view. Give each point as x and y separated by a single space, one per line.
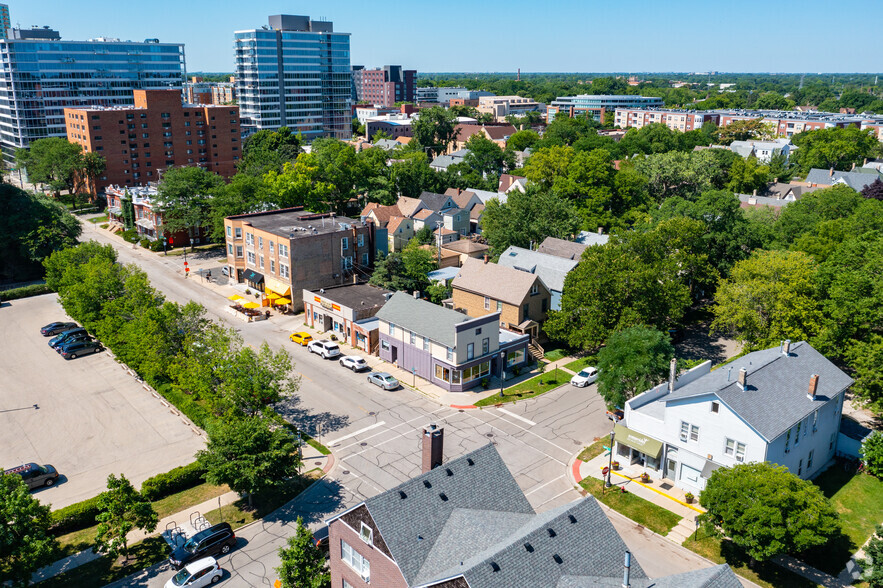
496 35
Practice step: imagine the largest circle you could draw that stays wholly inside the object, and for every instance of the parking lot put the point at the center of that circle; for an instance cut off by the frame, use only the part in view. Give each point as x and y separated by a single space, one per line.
88 417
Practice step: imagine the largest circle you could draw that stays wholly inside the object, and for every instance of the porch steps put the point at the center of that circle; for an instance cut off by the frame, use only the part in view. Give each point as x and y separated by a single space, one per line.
535 351
684 529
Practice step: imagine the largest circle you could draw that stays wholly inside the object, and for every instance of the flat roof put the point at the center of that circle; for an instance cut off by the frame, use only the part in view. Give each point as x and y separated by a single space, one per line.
354 295
296 223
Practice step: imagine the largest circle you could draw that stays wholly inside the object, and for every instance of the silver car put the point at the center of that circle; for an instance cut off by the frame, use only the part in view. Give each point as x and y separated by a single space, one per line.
384 380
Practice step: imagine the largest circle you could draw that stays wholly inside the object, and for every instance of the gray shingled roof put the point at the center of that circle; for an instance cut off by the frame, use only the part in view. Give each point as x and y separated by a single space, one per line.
562 248
435 201
551 269
720 576
854 179
752 200
590 238
424 318
776 397
411 526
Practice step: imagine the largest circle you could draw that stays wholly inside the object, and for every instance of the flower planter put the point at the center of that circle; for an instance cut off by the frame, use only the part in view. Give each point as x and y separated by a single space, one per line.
688 498
645 478
615 466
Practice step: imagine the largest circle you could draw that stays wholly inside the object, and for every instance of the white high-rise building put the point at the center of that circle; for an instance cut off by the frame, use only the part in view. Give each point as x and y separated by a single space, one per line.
294 73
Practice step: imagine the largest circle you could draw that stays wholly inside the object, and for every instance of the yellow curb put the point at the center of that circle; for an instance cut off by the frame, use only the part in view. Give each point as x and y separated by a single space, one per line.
660 492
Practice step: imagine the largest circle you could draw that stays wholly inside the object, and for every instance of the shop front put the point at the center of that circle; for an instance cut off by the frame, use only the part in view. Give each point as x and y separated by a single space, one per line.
637 448
337 310
277 293
253 279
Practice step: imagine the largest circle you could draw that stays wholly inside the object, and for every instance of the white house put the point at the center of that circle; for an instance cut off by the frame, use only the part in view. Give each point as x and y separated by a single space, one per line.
763 150
781 405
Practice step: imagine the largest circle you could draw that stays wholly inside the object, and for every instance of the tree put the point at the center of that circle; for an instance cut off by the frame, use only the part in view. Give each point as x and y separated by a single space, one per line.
766 510
245 193
804 216
424 235
26 544
780 168
337 168
769 297
121 509
298 184
546 165
54 161
866 358
485 157
743 130
269 150
303 564
685 174
873 190
250 381
434 130
521 140
410 174
747 175
185 195
634 360
389 272
91 166
417 262
873 563
872 455
248 454
837 148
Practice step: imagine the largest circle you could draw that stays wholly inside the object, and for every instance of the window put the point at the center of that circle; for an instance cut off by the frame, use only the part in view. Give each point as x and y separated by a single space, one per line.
478 331
535 289
283 250
261 260
344 243
797 436
689 431
487 303
815 420
239 251
715 407
261 242
788 441
450 354
366 259
809 460
361 240
283 270
366 534
354 559
499 306
249 238
238 233
514 357
392 329
229 231
470 351
425 343
735 449
229 249
800 467
477 371
442 373
271 247
250 258
485 346
413 338
272 266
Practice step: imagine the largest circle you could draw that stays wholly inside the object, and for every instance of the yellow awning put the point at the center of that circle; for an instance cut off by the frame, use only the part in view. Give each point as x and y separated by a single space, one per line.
272 295
276 286
282 301
235 297
251 305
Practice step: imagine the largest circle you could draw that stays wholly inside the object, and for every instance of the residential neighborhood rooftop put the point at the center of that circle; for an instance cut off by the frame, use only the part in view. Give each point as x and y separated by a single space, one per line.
356 295
562 248
551 269
296 223
433 321
495 281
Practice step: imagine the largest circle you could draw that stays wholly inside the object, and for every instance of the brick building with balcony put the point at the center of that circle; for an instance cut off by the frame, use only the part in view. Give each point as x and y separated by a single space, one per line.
158 132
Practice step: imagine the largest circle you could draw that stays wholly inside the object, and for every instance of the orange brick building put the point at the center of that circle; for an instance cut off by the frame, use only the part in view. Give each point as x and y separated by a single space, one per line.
158 132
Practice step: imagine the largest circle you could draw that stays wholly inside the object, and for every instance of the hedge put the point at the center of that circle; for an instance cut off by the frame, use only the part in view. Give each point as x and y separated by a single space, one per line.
181 478
75 517
185 403
25 292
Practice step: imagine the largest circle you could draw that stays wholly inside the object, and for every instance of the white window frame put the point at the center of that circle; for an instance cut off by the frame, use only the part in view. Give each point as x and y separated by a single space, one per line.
283 270
689 432
392 329
487 303
355 560
734 449
450 354
470 351
715 407
413 338
366 534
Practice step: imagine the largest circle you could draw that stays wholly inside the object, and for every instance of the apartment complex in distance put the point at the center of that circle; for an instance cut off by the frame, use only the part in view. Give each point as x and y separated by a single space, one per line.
786 123
198 91
43 75
502 106
295 73
5 23
597 106
677 120
156 133
384 86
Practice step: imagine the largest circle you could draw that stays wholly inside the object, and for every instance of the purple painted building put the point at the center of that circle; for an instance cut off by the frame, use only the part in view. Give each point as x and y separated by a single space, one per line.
446 347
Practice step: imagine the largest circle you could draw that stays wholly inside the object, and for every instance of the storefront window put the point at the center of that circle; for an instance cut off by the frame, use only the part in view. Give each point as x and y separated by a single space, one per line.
476 371
514 357
442 373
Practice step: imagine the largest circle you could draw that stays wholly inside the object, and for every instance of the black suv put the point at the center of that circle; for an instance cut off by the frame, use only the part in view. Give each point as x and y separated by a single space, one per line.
79 334
35 475
217 539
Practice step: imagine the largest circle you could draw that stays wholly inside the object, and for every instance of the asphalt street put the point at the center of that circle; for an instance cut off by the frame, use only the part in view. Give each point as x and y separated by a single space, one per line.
375 436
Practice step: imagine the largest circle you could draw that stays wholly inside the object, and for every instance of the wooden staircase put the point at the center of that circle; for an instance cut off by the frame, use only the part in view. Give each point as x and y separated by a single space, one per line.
536 351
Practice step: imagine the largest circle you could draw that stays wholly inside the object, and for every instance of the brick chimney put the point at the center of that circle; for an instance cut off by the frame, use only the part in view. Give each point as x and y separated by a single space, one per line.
433 448
743 379
486 258
786 347
831 172
813 386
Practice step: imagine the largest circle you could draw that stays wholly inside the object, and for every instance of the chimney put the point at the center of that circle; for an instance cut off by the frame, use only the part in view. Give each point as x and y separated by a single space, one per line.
775 180
866 161
743 379
813 386
416 294
754 192
433 448
786 347
672 374
626 569
486 258
853 166
600 230
831 172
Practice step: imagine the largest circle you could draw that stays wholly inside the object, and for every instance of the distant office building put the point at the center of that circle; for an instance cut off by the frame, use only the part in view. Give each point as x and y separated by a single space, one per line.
384 86
224 92
786 123
427 94
502 106
156 133
198 91
39 79
5 23
295 73
677 120
597 106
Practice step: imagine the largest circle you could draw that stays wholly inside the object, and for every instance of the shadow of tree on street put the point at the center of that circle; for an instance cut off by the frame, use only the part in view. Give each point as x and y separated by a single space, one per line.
314 423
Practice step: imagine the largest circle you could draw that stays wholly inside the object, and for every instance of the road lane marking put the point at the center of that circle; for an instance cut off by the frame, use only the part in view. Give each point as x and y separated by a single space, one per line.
518 416
535 488
360 431
554 497
526 431
392 428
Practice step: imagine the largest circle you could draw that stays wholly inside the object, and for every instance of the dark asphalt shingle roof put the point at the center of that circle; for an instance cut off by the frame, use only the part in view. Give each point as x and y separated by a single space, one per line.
854 179
437 202
777 394
424 318
720 576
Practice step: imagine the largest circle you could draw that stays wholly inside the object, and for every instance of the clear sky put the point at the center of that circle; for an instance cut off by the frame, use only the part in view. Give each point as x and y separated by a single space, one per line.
496 35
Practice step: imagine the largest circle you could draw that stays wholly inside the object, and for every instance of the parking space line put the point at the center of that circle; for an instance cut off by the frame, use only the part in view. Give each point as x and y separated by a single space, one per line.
496 416
359 432
510 436
393 427
518 416
554 497
535 488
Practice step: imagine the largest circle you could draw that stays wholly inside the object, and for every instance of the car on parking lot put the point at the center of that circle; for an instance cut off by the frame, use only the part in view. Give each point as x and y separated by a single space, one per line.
354 362
200 573
217 539
320 540
34 475
78 334
301 338
384 380
586 376
75 349
325 348
55 328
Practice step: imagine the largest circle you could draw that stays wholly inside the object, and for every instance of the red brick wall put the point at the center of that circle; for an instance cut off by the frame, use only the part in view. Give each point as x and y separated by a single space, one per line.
384 572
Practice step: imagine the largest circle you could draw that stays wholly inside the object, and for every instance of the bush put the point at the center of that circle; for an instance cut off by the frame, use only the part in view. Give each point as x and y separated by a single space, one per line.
872 454
145 242
75 517
185 403
103 225
176 480
25 292
156 245
130 235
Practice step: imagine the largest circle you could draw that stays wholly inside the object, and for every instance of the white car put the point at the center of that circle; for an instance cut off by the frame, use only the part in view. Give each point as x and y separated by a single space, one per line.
585 377
202 572
325 348
354 362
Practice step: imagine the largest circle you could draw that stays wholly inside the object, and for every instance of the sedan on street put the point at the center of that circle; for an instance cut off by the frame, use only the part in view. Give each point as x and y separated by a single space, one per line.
56 328
384 380
585 377
354 362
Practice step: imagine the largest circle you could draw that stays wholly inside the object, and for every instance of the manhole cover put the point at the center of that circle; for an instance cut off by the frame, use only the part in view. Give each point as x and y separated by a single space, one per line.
372 413
489 434
345 472
363 444
318 462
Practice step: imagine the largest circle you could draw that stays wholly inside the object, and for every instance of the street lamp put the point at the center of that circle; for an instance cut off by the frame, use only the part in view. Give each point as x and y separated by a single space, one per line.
610 461
502 371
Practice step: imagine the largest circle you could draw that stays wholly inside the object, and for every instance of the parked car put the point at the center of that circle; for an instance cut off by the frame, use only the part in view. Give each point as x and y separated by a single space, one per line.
615 415
320 539
74 349
53 329
384 380
68 336
585 377
226 271
200 573
34 475
325 348
301 338
354 362
217 539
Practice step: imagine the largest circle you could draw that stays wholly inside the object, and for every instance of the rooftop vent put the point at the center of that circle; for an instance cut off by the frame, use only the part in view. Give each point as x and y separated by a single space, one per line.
449 472
427 484
572 519
528 547
557 558
443 496
552 532
495 566
469 461
402 494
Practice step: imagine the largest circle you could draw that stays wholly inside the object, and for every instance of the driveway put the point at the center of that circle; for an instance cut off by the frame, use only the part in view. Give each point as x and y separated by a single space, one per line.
88 417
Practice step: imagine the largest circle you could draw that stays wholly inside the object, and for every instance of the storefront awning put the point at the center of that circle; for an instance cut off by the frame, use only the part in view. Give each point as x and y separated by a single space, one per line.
709 467
638 441
253 276
279 301
276 286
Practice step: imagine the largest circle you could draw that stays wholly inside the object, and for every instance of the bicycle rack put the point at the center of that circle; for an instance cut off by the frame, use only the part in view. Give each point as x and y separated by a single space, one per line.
174 535
198 522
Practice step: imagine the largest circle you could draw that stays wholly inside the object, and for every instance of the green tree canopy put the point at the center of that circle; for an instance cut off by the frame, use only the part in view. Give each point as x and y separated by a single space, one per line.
521 140
682 174
185 195
873 562
634 360
26 544
747 175
268 150
54 161
837 148
303 564
872 455
434 130
121 509
766 510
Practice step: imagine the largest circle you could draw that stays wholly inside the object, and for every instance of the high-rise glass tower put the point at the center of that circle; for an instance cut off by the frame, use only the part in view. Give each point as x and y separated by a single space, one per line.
5 23
295 73
40 75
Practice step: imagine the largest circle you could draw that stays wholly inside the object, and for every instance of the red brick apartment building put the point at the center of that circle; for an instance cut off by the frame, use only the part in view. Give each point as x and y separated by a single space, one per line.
677 120
157 133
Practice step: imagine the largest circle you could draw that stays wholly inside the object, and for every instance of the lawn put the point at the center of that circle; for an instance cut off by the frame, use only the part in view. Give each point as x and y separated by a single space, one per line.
592 451
104 570
768 575
556 354
529 388
98 219
641 511
576 366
